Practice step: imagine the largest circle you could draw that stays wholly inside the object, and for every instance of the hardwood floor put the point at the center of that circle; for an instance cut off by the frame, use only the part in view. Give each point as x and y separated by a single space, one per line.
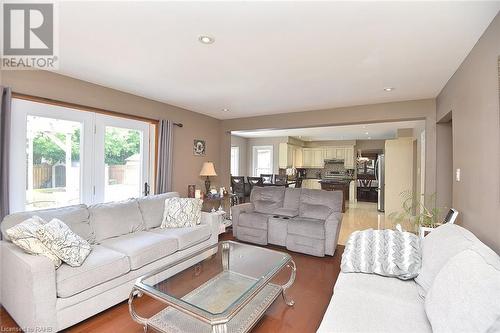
311 291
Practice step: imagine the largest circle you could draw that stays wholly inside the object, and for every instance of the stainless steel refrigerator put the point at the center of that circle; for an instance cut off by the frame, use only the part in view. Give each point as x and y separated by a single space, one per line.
380 177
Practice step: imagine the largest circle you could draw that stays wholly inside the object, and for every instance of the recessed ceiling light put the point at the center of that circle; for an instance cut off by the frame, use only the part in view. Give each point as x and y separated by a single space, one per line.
369 138
366 133
225 109
389 89
206 39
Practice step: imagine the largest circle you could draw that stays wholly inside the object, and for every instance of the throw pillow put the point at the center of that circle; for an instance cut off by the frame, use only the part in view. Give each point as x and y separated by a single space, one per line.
68 246
384 252
24 236
181 212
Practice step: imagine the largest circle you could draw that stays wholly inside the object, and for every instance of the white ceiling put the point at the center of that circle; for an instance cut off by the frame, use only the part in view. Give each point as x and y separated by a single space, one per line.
378 131
270 57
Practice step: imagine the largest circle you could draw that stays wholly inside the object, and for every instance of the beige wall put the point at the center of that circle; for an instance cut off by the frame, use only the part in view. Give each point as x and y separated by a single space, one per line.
186 166
397 111
444 167
370 145
242 144
472 94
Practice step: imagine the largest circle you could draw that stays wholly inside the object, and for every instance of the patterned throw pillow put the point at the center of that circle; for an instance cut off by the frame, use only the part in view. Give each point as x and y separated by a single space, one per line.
68 246
384 252
181 212
24 236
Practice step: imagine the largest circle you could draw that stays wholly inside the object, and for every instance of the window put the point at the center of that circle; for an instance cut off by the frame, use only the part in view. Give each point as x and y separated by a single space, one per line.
61 156
235 161
262 160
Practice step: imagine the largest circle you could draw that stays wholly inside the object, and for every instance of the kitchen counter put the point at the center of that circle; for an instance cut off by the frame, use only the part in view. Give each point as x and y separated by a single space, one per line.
337 185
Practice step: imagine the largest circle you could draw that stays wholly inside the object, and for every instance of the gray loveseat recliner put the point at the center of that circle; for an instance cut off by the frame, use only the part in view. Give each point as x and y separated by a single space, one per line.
127 242
303 220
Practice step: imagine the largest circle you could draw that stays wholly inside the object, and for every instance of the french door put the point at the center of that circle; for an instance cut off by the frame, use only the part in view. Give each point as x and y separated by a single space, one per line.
61 156
121 158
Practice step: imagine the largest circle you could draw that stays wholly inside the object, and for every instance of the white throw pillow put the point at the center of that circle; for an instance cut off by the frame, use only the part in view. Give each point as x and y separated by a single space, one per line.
181 212
385 252
465 295
24 235
68 246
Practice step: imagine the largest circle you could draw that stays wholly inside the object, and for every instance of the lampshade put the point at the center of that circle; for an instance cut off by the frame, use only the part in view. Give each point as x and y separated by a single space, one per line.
208 169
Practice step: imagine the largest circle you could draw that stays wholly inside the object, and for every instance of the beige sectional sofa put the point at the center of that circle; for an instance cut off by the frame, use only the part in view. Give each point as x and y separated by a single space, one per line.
457 290
127 243
303 220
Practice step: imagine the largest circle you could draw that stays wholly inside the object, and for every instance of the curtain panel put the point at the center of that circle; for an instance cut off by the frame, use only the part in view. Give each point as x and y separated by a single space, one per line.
165 151
5 115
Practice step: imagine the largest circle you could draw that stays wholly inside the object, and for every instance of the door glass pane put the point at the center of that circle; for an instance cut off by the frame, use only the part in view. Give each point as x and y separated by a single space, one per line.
53 162
263 162
123 163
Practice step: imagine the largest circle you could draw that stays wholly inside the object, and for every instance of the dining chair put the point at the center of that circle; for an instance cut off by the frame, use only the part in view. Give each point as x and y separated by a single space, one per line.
254 181
238 185
364 188
298 182
281 180
267 178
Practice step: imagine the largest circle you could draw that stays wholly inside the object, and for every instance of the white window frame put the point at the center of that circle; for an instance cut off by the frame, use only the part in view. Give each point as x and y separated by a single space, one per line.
92 122
254 158
235 161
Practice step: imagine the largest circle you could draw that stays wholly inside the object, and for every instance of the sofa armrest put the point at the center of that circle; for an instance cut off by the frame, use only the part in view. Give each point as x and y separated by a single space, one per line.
28 287
332 230
213 220
235 214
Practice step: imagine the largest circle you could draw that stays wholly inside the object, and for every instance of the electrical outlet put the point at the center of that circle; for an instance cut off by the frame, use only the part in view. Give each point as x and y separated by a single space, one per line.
457 175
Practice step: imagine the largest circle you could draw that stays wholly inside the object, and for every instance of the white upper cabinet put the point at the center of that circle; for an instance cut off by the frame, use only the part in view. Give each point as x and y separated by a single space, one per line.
330 153
349 158
298 159
286 156
340 153
313 157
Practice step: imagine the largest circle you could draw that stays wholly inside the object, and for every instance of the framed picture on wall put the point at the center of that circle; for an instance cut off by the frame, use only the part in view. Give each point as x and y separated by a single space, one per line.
199 147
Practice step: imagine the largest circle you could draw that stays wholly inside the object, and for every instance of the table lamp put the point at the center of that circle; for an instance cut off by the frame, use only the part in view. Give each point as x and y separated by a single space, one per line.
207 170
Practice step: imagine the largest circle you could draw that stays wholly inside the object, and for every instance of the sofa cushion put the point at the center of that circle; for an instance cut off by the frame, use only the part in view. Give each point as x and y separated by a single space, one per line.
319 204
311 228
103 264
292 198
152 207
267 199
115 219
253 220
465 294
438 247
76 218
372 303
277 230
186 237
142 247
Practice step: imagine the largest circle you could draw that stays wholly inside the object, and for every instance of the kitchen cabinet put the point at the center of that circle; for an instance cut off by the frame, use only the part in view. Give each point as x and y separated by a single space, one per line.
313 157
349 157
340 153
330 153
298 160
312 184
286 156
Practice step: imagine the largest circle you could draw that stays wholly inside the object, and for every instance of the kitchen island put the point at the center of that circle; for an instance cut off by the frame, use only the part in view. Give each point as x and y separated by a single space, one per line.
337 185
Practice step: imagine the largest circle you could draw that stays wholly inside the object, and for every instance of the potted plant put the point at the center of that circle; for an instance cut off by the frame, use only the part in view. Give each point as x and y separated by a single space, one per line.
419 214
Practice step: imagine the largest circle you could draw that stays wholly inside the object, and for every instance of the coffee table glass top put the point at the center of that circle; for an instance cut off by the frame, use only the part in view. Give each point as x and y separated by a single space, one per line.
218 286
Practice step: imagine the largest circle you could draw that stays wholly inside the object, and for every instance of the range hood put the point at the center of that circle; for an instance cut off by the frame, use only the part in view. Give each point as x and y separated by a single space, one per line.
334 161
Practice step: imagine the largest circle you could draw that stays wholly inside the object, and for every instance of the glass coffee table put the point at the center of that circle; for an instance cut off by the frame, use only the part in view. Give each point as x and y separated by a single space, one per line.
226 293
